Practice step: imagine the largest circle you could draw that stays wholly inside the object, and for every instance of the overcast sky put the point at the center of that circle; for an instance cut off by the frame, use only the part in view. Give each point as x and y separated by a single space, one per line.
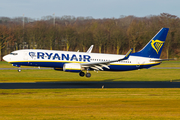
95 8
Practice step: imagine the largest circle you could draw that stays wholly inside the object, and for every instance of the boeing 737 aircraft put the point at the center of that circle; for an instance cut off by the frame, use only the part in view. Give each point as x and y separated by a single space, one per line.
85 61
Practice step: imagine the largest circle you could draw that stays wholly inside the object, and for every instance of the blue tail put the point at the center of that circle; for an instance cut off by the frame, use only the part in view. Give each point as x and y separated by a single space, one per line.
154 47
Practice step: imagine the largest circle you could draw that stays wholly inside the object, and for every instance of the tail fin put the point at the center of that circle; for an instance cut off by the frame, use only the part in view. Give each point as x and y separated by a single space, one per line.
154 46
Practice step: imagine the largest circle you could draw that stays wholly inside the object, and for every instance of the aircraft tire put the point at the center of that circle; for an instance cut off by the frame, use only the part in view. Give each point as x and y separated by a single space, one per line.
81 74
88 75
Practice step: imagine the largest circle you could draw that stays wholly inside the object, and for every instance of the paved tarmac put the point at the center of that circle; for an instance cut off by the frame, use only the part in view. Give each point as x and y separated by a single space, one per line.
52 85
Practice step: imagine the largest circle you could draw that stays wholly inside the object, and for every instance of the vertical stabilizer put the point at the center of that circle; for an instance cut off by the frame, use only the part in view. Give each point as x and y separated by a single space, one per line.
154 46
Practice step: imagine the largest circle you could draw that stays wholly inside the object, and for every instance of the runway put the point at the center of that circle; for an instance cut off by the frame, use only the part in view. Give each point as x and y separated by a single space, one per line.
53 85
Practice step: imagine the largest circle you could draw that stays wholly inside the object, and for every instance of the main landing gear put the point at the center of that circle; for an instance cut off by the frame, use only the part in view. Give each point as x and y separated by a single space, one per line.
81 74
87 74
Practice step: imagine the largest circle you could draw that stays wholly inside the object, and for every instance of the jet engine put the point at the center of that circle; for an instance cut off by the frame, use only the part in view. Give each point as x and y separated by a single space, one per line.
72 67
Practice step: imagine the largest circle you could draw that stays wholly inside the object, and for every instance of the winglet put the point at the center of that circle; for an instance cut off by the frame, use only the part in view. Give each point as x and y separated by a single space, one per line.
90 49
127 55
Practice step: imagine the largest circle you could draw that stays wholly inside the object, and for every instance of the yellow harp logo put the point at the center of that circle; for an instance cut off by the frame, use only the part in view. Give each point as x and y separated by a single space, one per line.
156 45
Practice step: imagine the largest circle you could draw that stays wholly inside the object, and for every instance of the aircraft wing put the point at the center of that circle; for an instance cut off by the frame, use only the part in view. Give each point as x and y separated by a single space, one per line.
101 64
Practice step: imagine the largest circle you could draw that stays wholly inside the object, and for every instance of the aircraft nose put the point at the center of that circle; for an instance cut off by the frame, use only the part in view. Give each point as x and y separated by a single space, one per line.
6 58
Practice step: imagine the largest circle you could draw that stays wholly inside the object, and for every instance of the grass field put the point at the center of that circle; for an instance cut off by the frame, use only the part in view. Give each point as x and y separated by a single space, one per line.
52 75
88 104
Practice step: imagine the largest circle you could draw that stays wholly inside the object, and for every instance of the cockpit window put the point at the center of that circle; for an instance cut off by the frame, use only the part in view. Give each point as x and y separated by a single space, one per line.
13 53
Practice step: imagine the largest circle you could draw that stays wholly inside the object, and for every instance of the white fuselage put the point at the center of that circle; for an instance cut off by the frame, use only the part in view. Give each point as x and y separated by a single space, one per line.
56 59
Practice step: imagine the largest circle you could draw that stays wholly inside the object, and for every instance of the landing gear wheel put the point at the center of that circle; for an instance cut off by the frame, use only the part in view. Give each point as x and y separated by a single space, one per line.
81 74
19 70
88 75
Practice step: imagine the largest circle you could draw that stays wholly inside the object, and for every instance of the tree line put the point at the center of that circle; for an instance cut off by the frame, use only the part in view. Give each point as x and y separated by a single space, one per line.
113 35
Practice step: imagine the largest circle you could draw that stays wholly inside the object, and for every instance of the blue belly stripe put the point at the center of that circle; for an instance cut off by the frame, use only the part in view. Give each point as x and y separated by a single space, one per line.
112 67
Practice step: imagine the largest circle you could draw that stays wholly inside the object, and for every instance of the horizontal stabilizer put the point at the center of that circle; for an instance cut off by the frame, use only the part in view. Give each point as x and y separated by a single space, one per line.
159 60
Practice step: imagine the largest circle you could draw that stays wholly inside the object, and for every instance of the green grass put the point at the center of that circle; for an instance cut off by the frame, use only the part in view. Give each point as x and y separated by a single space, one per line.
52 75
88 104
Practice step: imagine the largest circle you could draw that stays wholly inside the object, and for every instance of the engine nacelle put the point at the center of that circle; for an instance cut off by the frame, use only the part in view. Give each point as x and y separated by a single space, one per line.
72 67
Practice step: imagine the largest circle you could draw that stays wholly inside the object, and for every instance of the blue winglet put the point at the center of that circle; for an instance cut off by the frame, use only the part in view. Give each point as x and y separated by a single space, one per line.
127 55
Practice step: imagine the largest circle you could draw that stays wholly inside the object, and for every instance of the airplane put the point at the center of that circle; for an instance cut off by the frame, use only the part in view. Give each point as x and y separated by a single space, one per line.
83 62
